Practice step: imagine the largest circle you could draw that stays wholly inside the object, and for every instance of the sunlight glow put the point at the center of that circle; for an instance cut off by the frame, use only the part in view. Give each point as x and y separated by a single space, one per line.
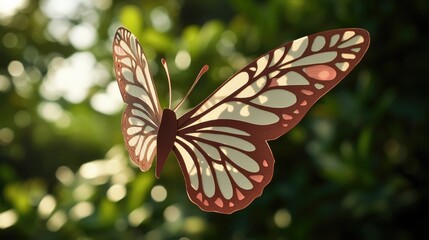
101 168
72 78
109 102
59 8
8 8
83 36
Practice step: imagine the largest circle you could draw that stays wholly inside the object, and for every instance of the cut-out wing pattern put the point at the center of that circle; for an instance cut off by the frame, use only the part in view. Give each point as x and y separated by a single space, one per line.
142 116
221 144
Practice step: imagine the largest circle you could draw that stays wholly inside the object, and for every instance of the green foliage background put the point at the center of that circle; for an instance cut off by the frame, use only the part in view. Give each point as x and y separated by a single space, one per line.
355 168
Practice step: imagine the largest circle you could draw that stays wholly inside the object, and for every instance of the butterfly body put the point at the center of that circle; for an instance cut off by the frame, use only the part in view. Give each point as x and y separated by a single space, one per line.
221 144
166 137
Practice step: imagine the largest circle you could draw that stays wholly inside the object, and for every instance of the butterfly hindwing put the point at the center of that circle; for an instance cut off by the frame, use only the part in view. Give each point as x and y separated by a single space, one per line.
142 116
225 168
265 99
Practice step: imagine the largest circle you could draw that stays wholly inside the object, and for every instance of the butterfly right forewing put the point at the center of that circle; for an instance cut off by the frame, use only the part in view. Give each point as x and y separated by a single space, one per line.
142 116
225 136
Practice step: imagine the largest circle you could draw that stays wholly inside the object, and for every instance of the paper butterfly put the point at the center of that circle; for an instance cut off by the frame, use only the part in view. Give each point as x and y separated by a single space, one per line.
221 144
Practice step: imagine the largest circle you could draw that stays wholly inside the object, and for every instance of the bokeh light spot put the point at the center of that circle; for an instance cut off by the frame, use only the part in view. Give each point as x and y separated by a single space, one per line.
15 68
56 221
194 225
158 193
65 175
182 60
10 40
46 206
282 218
8 8
83 36
81 210
116 192
8 218
109 102
50 111
138 215
83 192
172 213
160 19
22 118
5 83
6 136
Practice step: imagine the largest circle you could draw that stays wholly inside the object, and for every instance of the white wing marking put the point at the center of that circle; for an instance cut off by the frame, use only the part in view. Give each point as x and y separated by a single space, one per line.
317 58
238 177
227 89
348 56
210 150
318 86
138 92
189 163
225 140
276 98
261 64
224 182
242 160
253 88
228 130
296 50
318 43
292 78
347 35
277 56
334 40
353 41
240 112
343 66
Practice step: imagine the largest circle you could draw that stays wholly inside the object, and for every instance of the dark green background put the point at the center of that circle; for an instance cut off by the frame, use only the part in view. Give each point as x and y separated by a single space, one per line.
356 167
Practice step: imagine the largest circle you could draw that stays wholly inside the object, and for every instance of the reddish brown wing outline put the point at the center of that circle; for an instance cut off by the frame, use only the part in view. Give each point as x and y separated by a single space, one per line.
142 116
221 144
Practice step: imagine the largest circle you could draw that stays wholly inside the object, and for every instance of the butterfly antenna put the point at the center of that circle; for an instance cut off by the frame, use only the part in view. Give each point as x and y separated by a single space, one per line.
164 64
203 70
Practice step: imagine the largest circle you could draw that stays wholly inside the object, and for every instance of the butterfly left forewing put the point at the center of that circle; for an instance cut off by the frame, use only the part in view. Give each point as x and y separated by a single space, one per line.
265 100
142 116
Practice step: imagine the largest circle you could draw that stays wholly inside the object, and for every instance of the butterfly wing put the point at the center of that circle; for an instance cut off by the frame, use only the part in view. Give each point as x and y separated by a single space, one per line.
142 116
221 144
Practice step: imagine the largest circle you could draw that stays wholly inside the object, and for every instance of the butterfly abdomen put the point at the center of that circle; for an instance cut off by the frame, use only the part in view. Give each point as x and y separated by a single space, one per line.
166 136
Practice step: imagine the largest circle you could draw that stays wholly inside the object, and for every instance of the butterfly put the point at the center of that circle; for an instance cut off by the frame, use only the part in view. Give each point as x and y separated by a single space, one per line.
221 144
